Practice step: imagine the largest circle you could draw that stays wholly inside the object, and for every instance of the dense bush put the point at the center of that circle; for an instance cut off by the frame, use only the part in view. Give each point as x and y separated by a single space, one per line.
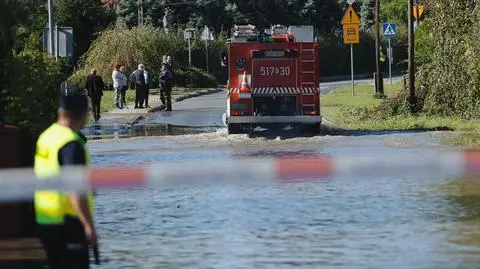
30 97
146 45
424 38
452 71
394 106
398 104
194 78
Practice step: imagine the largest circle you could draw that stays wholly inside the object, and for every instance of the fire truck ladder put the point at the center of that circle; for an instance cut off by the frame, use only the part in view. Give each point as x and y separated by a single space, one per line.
307 75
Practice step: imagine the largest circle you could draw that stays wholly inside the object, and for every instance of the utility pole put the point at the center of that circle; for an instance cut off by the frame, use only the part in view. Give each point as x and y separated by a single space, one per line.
411 60
51 51
379 77
140 12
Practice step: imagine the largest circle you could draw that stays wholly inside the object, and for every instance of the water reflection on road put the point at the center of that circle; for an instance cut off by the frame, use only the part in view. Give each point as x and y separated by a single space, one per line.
393 222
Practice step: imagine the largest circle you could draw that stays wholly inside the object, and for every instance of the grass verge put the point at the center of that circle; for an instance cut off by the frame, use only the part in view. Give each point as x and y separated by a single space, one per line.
351 112
464 139
108 100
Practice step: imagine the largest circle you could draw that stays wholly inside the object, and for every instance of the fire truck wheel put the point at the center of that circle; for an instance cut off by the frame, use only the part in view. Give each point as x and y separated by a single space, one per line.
315 129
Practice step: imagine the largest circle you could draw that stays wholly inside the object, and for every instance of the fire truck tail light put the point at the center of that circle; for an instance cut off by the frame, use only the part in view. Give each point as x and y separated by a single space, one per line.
310 113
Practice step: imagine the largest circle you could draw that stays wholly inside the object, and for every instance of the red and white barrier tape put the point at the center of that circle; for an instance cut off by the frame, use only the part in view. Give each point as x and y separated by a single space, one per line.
20 184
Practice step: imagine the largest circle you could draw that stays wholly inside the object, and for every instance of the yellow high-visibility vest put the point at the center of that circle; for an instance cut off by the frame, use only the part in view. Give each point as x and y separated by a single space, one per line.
51 206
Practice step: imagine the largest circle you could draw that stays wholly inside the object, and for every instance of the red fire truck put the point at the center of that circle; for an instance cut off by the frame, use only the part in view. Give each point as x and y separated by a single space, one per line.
273 78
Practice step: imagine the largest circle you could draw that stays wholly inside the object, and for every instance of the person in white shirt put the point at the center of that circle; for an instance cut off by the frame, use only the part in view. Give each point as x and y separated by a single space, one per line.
119 81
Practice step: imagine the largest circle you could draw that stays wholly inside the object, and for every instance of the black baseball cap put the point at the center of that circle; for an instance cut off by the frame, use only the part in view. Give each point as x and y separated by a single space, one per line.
73 98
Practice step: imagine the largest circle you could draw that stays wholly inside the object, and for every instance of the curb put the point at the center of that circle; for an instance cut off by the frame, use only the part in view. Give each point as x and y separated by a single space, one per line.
330 127
187 96
340 78
197 94
178 99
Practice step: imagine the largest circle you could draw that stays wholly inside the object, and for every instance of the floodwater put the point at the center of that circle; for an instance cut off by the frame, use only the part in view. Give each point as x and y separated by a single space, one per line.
393 222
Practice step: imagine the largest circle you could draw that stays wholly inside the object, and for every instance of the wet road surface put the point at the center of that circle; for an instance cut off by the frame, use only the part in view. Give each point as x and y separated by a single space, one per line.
389 222
392 222
189 116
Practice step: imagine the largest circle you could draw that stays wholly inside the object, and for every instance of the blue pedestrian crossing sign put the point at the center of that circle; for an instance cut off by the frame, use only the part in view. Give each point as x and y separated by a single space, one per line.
389 30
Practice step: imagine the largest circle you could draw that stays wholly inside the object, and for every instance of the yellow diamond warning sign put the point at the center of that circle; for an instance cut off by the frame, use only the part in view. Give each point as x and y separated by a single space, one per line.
350 17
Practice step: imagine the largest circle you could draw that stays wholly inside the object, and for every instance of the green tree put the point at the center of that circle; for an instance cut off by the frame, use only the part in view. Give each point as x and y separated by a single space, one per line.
395 11
87 17
367 14
126 11
19 19
220 15
325 15
28 77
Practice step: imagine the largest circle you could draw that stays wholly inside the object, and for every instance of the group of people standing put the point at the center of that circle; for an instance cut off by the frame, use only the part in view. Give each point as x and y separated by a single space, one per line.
141 80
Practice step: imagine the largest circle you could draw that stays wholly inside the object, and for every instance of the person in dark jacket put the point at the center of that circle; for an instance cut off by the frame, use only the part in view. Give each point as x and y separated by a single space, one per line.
94 86
140 78
166 84
148 83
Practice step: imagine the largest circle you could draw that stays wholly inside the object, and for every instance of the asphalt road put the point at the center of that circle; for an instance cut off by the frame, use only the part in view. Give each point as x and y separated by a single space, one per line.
195 113
207 110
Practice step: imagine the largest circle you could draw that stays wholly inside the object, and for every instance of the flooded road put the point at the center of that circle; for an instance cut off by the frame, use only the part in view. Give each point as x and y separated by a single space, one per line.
390 222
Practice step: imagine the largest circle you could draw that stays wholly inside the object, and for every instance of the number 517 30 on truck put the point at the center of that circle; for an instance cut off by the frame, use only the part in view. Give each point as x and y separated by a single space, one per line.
273 79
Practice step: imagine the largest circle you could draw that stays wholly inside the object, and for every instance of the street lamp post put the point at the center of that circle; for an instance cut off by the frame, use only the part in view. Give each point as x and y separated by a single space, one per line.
50 28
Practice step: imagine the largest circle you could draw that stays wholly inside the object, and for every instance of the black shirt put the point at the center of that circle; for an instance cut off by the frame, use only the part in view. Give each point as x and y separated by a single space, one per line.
94 85
73 153
139 78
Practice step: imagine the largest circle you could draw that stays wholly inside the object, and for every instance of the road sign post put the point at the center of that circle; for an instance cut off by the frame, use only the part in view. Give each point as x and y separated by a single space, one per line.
390 31
390 60
351 68
189 54
189 34
351 35
207 36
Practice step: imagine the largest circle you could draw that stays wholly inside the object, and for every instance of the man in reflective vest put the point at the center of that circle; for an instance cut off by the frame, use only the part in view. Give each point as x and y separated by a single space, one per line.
65 220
